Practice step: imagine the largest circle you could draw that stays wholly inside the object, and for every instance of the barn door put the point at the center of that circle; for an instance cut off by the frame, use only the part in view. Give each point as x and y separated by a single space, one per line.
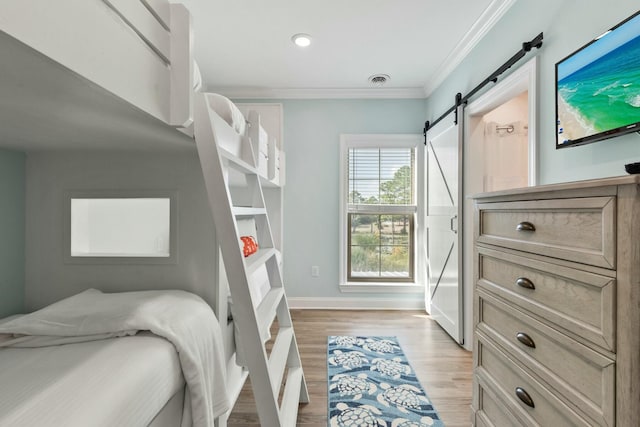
444 234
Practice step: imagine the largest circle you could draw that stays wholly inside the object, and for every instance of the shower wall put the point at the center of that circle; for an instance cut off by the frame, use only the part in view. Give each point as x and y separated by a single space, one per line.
505 153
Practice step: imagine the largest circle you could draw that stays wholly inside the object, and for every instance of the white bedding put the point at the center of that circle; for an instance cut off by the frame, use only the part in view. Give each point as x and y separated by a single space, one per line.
182 318
112 382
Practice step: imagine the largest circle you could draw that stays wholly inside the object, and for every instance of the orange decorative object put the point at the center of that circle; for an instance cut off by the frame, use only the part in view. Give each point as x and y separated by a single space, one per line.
249 245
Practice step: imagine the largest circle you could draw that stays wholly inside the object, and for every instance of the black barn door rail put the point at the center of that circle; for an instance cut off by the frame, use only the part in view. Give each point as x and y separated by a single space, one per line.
493 78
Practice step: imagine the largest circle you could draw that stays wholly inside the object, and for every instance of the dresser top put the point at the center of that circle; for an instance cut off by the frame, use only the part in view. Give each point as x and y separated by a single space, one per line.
565 186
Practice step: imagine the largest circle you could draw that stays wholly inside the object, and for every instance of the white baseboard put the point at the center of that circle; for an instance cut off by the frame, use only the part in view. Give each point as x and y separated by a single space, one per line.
354 303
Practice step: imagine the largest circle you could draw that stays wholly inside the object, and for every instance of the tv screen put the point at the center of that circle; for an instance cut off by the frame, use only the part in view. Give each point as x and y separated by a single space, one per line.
598 87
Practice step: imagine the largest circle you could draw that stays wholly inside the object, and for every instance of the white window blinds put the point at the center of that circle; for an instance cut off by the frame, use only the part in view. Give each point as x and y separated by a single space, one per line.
381 176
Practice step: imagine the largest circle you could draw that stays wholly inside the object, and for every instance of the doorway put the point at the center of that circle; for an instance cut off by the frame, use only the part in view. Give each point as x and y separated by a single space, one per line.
502 138
500 153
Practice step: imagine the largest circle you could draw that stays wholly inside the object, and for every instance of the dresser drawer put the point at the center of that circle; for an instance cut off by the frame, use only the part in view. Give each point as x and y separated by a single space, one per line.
580 302
489 410
545 409
580 230
588 378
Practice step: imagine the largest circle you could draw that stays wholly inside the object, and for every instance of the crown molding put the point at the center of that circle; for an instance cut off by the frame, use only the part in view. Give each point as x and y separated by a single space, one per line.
334 93
480 28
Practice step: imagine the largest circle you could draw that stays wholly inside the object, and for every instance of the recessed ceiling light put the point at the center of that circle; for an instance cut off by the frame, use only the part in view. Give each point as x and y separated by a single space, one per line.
301 39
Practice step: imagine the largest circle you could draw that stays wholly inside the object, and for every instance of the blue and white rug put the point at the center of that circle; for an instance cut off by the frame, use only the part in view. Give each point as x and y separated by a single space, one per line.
371 384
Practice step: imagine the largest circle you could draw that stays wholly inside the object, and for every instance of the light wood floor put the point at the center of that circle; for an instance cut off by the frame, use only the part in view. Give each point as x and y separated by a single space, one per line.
443 368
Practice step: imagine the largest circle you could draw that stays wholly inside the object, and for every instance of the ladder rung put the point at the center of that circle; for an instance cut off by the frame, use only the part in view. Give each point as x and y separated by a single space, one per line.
253 262
237 162
279 356
248 211
291 397
266 311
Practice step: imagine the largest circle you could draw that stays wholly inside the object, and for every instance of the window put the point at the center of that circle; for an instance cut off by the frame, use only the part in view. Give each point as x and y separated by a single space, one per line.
112 228
379 209
120 227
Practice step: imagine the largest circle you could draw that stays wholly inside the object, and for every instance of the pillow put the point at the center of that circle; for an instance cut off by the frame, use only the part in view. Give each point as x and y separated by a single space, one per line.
228 111
249 245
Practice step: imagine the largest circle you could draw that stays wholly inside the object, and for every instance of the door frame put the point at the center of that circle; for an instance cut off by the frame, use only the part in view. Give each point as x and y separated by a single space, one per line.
522 79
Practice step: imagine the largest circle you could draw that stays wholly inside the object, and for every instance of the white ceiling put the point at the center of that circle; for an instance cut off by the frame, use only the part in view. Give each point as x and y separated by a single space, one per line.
244 48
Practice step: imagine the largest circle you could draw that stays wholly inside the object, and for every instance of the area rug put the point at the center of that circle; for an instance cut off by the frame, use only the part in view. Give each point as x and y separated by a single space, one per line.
371 384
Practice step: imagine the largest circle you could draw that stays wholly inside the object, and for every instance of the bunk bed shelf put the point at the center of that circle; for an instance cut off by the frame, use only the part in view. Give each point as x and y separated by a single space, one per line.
258 259
236 162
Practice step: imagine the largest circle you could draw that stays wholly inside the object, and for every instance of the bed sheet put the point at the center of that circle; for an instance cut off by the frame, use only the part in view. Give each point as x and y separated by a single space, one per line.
112 382
181 317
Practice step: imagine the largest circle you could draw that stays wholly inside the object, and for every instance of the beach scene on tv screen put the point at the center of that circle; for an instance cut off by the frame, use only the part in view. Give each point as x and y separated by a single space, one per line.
599 86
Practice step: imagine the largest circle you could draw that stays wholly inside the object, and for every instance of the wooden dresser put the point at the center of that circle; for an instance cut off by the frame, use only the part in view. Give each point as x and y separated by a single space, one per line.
557 305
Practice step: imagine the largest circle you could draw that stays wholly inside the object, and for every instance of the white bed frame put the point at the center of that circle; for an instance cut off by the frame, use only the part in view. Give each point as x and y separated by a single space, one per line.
139 50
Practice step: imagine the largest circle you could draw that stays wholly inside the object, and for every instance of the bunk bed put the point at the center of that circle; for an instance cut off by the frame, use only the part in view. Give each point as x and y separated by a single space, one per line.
76 69
156 391
166 399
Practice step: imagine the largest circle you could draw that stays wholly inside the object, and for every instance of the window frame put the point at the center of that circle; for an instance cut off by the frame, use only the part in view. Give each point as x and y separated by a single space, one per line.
172 195
409 279
416 284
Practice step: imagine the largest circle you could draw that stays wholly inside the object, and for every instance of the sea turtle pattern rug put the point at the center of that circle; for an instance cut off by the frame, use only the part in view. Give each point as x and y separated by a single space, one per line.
371 384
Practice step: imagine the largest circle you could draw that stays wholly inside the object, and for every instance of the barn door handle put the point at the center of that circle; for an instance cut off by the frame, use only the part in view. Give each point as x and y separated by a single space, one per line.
453 224
525 226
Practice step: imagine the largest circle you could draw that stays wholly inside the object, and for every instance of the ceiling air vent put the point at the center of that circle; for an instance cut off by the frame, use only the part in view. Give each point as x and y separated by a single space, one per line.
379 79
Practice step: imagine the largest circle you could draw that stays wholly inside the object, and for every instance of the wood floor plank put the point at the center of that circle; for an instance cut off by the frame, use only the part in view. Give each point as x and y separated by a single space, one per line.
443 367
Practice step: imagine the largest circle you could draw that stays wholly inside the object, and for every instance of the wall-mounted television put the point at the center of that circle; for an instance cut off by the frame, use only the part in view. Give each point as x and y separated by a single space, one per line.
598 87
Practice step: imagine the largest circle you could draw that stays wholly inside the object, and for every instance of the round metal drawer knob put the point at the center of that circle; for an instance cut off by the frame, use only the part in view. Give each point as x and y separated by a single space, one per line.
524 397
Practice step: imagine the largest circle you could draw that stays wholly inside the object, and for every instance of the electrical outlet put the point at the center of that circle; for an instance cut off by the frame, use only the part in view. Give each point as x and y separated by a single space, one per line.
315 271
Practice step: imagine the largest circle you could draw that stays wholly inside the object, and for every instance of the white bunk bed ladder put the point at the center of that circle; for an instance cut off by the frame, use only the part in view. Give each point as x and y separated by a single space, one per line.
254 319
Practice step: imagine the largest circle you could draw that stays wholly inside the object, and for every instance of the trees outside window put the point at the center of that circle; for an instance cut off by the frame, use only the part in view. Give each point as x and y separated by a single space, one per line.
381 214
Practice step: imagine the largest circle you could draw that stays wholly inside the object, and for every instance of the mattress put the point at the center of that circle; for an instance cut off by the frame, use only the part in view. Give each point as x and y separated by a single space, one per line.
112 382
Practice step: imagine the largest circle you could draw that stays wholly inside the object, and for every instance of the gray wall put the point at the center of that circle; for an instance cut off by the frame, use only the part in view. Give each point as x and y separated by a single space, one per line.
312 131
50 175
12 193
567 25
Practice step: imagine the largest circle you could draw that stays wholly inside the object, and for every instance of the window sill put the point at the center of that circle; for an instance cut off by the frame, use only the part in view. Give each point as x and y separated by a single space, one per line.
382 287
